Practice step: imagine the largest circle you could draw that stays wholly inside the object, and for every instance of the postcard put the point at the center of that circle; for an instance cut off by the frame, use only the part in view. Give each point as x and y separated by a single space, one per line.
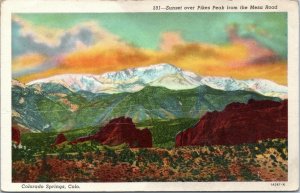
149 95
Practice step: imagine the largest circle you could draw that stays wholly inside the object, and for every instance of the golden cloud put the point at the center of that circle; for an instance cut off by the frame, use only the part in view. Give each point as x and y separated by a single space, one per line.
28 61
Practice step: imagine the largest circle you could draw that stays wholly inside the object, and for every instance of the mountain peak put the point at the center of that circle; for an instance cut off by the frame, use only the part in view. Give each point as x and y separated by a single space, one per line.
162 66
145 74
154 67
17 83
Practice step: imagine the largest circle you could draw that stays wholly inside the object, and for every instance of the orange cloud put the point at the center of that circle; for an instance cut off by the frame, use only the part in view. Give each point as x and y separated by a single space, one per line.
257 53
27 61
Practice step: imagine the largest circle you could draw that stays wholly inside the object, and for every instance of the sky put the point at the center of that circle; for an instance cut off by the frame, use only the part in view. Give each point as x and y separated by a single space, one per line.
48 44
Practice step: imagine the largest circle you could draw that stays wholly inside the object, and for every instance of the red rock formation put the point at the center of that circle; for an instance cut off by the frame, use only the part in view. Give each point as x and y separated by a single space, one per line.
16 136
237 124
118 131
60 139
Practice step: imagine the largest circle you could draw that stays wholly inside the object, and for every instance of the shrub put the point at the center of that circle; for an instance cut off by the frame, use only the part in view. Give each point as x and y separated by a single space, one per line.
214 177
80 155
195 172
232 178
248 175
126 155
89 158
195 154
273 158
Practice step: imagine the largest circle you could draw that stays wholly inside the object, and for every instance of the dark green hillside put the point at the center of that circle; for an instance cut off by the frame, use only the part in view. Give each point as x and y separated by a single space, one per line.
164 131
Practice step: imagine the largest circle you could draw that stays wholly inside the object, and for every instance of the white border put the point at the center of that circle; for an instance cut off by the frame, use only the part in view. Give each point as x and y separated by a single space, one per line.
90 6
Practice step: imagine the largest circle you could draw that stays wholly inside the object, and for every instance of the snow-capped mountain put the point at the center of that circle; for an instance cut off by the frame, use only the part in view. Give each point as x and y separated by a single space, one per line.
129 80
162 75
261 86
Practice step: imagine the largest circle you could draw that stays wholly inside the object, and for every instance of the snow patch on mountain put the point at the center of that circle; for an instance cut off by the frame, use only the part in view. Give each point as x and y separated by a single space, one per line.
174 82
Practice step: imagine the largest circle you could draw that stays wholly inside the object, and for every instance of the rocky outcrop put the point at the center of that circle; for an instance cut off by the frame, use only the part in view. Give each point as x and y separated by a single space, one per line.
118 131
238 123
16 135
60 138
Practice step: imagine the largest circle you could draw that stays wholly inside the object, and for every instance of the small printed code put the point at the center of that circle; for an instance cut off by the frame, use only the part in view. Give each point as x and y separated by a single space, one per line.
278 184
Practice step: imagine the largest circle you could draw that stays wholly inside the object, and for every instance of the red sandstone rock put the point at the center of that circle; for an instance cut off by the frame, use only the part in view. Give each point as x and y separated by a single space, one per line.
237 124
118 131
16 136
60 139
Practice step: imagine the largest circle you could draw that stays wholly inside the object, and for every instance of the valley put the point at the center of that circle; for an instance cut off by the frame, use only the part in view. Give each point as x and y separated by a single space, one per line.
155 123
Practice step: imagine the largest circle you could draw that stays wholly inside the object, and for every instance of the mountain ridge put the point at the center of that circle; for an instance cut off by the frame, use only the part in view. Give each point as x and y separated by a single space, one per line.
164 75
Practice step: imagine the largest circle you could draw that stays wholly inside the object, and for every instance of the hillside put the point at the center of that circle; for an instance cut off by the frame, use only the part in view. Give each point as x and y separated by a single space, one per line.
52 107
